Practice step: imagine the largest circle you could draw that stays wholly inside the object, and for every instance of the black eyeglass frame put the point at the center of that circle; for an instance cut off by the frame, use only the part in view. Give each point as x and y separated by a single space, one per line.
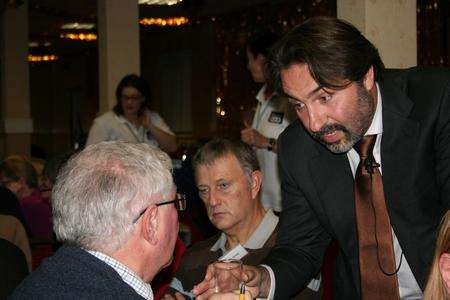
179 203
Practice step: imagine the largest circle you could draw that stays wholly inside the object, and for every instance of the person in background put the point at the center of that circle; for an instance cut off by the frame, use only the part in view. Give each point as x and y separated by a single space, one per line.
115 208
273 114
131 119
50 172
229 182
438 285
19 176
13 267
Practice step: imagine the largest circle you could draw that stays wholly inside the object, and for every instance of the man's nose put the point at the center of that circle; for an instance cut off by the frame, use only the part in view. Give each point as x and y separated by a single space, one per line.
214 199
317 119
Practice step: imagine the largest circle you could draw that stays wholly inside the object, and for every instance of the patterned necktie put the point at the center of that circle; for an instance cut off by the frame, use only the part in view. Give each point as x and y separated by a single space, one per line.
376 253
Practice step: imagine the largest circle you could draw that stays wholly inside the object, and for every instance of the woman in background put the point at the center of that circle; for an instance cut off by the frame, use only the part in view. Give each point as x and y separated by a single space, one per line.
438 286
19 176
131 119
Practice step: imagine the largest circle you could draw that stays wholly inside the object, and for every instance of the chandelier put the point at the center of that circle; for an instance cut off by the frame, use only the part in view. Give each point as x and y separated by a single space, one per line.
160 2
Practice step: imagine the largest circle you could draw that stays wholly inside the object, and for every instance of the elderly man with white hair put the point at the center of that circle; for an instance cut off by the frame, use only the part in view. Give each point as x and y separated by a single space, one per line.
115 209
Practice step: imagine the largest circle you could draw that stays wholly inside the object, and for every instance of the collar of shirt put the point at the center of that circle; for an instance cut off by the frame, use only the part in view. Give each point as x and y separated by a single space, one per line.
258 238
128 276
260 96
376 127
123 120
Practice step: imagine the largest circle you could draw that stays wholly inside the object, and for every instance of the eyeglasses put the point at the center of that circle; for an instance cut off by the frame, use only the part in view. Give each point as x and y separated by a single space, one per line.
179 202
131 97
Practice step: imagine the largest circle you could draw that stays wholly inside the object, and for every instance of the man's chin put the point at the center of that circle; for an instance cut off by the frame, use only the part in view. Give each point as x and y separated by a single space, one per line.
338 147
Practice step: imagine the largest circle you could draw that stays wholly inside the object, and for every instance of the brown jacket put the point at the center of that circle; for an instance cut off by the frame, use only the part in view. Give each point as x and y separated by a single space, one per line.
197 258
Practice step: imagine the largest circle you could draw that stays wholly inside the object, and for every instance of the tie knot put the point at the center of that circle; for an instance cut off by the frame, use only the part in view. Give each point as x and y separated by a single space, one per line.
365 146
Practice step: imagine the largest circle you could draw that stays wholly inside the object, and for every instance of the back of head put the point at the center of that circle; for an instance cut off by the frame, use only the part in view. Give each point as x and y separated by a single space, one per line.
218 148
103 188
17 166
436 286
335 52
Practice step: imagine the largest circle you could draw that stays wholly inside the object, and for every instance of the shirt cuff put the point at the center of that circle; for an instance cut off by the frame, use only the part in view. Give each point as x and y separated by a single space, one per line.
272 282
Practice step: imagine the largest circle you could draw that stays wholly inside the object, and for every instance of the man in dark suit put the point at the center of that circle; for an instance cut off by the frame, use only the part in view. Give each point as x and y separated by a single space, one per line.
334 77
115 209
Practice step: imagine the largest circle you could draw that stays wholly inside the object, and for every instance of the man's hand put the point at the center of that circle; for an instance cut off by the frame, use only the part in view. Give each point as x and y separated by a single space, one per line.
254 138
146 120
207 287
231 296
256 279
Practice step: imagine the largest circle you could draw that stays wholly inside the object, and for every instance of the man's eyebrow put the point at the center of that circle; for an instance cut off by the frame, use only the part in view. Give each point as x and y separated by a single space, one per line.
310 94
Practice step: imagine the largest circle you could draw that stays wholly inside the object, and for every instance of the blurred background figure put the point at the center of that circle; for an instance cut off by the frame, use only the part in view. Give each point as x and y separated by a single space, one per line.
50 172
13 267
20 177
132 120
438 286
273 114
12 230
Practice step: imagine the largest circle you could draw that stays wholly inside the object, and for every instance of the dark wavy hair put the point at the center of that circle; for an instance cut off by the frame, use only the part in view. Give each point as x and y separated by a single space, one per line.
136 82
334 50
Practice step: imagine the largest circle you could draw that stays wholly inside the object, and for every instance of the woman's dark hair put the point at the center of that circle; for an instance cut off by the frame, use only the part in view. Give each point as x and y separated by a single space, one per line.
260 42
136 82
334 50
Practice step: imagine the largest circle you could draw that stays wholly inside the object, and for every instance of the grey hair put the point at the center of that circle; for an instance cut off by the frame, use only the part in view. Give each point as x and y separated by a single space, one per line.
220 147
102 189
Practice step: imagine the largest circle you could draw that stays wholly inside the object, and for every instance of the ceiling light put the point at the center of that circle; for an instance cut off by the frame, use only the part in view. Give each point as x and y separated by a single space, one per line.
174 21
35 44
160 2
42 58
76 26
79 36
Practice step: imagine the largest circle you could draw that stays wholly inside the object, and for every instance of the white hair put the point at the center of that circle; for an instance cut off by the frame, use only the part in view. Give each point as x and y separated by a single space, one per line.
101 190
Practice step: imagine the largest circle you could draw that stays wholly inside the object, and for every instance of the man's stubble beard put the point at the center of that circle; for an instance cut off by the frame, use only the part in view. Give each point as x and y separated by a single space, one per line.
360 121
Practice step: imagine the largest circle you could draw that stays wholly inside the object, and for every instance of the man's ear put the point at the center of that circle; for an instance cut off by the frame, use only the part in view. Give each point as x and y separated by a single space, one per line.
149 225
369 79
257 178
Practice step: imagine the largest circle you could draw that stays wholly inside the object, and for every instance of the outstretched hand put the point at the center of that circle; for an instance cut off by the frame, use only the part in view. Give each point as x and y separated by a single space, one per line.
256 280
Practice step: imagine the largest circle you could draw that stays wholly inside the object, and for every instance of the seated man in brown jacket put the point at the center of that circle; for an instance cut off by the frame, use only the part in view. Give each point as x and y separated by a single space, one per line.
229 181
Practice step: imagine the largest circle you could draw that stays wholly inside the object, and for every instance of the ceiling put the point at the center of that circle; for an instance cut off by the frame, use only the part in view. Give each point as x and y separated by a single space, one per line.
47 16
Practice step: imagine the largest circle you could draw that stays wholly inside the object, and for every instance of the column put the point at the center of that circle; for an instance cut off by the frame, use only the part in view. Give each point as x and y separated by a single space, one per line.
118 46
389 25
16 124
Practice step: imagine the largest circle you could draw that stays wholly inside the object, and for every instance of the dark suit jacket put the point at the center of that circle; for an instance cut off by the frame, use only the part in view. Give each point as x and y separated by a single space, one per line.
73 273
13 267
318 186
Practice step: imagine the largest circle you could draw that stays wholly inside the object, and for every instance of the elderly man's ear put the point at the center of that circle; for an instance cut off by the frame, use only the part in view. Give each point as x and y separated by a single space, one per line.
257 178
149 225
444 267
